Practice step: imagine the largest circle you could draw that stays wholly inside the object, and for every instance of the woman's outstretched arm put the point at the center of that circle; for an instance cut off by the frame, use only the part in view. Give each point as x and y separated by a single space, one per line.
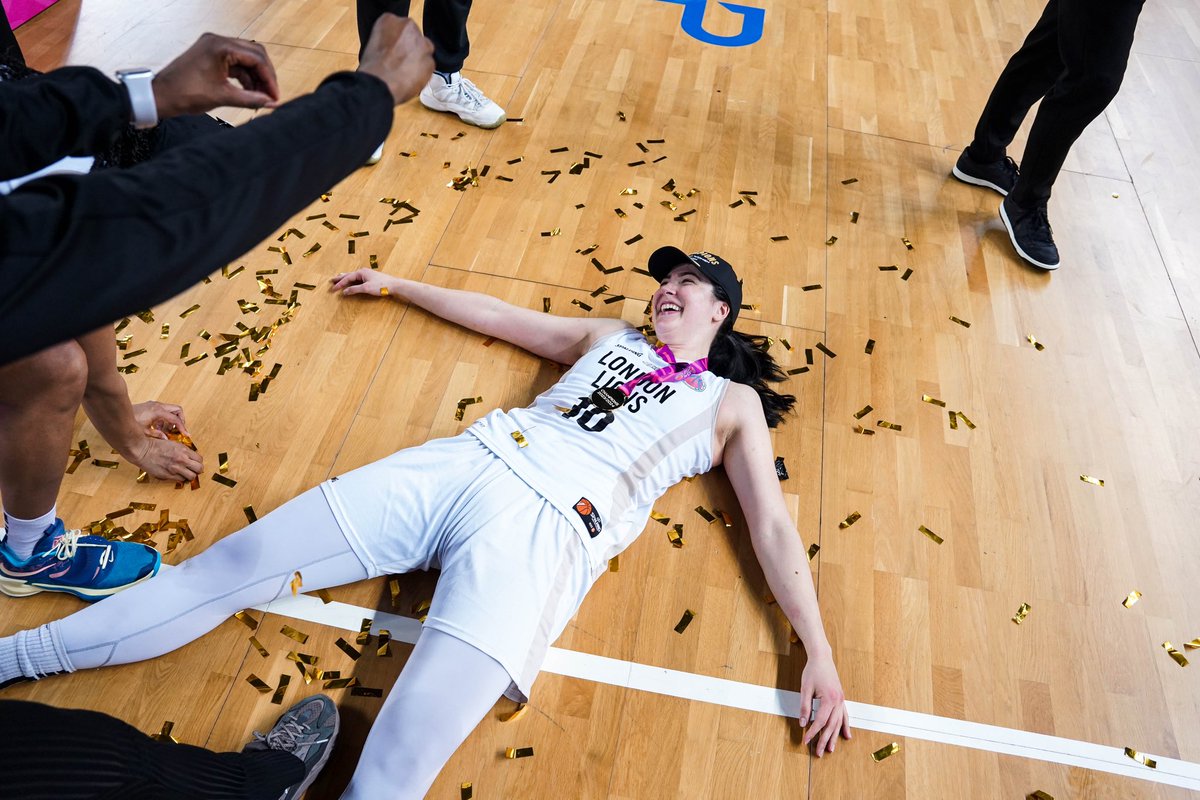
561 339
750 464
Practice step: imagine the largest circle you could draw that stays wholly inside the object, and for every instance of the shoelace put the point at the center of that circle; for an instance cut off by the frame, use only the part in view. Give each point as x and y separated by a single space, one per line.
1042 216
1013 169
285 736
67 544
469 93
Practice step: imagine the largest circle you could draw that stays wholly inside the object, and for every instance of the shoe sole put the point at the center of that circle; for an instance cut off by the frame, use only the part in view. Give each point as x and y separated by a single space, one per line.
1012 237
971 179
18 588
433 105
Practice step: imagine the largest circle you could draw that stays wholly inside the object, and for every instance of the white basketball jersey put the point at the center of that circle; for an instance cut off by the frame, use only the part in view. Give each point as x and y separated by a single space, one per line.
604 469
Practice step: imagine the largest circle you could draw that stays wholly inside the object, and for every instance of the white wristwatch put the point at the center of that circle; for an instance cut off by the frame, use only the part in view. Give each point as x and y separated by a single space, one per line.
138 82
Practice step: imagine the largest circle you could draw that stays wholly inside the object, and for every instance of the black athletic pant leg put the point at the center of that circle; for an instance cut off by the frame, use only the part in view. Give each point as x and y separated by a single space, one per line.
69 754
10 50
444 22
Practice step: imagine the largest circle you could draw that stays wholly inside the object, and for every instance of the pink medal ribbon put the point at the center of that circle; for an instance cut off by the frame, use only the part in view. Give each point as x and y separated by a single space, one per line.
611 398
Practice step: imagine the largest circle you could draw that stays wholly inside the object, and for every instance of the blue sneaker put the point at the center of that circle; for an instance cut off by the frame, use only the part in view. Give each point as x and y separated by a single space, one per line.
89 567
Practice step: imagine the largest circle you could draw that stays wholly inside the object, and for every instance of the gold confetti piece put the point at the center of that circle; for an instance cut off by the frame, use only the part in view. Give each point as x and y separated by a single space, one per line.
120 326
546 304
143 506
889 268
870 348
1036 344
797 371
297 582
519 438
166 330
812 287
672 206
658 516
224 481
646 272
518 752
965 419
675 536
385 643
634 240
862 412
346 648
813 549
292 633
341 683
1039 795
864 431
735 204
907 274
627 192
1175 654
189 311
850 520
962 322
907 244
831 240
933 401
119 514
250 515
465 792
685 620
1132 598
262 651
105 464
234 273
614 565
515 714
703 512
821 346
891 426
1136 756
885 751
621 116
1194 644
854 217
364 632
552 232
281 690
581 304
1022 613
1091 480
247 620
936 539
164 735
134 354
258 683
849 181
145 316
467 401
223 463
350 244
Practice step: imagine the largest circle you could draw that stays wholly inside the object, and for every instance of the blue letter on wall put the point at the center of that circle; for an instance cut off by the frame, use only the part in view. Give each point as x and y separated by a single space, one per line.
693 23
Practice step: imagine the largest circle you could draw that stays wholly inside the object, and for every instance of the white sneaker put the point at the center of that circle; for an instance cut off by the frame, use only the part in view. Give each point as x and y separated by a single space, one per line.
463 98
378 154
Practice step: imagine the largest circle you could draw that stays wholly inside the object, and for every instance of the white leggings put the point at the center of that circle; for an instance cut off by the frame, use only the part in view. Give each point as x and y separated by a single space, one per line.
444 690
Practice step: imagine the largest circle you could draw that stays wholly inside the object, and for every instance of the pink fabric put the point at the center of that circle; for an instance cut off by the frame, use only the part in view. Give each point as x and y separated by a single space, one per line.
21 11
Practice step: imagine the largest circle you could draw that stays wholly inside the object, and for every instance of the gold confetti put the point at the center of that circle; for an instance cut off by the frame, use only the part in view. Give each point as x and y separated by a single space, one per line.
849 181
864 431
1039 795
889 268
281 690
189 311
936 539
634 239
797 371
462 406
292 633
1036 344
831 240
1022 613
675 536
1091 480
854 217
581 304
1175 654
703 512
546 305
1132 598
385 643
164 734
685 620
786 344
346 648
465 792
891 426
262 651
782 238
821 346
224 481
964 418
364 632
297 582
258 683
850 520
518 752
515 714
813 549
907 274
870 348
552 232
105 464
614 564
885 751
925 398
519 438
862 412
962 322
628 192
953 420
907 244
250 515
316 246
658 516
1136 756
247 620
812 287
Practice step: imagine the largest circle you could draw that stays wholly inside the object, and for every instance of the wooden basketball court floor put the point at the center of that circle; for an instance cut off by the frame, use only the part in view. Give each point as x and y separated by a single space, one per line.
819 155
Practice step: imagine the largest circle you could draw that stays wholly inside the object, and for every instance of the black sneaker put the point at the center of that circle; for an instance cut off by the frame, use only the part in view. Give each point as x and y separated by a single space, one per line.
1000 176
306 730
1029 230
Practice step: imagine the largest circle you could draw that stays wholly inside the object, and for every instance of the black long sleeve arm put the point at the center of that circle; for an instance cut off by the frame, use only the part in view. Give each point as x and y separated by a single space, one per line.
73 111
80 251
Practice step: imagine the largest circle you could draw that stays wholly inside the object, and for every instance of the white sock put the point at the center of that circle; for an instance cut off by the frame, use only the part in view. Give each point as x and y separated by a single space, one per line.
23 534
32 654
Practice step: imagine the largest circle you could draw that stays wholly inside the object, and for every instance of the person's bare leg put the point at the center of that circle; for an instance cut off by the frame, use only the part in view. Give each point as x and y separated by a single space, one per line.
138 432
39 396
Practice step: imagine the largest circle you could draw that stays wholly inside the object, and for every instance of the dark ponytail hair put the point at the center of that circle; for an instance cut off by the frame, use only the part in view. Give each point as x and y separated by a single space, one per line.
744 359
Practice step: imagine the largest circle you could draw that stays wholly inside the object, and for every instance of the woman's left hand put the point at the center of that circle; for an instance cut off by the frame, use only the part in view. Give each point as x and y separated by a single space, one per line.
820 681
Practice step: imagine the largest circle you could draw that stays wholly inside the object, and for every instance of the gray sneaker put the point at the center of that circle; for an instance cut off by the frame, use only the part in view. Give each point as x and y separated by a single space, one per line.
306 730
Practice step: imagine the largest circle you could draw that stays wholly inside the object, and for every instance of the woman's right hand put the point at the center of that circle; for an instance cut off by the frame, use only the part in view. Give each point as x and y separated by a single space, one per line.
364 281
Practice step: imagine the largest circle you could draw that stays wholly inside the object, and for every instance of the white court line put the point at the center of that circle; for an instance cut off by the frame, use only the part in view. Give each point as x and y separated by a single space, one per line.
768 700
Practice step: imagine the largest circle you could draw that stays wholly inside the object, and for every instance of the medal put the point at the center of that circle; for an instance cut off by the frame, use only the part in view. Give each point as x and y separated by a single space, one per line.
610 398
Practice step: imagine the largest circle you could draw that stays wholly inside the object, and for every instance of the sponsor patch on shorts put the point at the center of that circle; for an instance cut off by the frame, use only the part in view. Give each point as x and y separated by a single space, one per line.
590 517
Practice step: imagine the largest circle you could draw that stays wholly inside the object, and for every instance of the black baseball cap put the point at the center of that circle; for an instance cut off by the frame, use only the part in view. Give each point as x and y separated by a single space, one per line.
711 266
